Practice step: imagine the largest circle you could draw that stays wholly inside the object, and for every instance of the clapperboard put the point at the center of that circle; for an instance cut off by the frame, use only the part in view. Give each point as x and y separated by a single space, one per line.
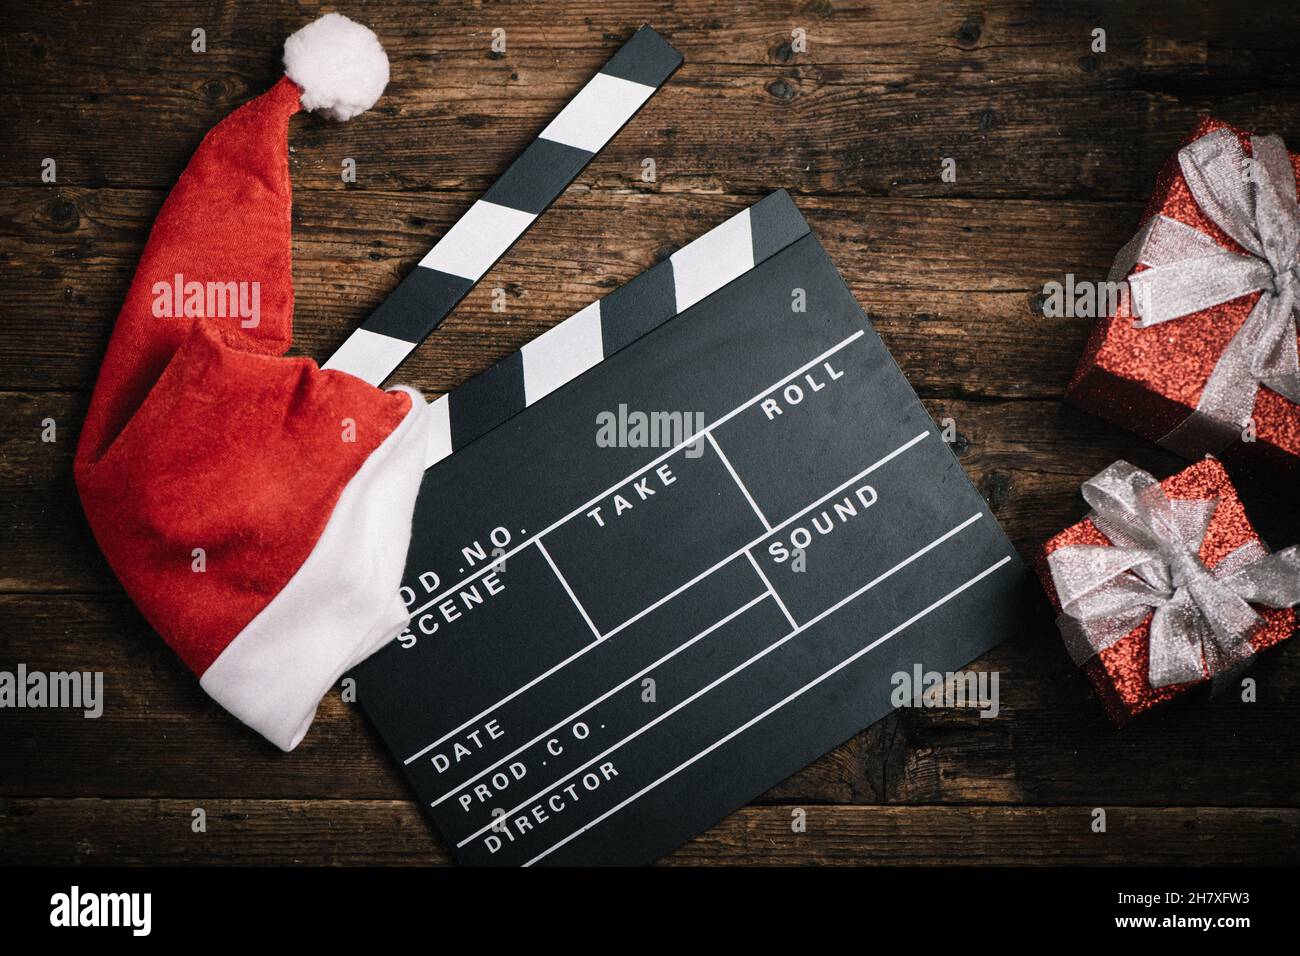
618 638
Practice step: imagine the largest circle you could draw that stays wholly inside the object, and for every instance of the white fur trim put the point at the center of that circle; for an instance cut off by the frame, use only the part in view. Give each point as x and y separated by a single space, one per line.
340 607
339 64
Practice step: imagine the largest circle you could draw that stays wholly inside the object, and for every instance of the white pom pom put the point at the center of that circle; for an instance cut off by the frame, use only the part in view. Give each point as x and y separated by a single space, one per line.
339 64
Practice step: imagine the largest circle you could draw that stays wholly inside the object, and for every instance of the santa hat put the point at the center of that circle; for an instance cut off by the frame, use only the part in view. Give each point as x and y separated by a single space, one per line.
256 508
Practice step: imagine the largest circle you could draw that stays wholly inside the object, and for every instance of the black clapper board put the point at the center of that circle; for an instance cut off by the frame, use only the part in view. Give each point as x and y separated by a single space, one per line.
614 647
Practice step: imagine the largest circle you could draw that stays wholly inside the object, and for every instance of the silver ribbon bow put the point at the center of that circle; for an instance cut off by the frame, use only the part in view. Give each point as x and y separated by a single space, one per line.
1200 613
1254 202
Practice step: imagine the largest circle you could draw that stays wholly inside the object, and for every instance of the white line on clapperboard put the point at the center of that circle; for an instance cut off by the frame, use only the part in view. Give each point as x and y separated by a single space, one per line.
778 705
612 488
568 590
768 584
737 669
739 484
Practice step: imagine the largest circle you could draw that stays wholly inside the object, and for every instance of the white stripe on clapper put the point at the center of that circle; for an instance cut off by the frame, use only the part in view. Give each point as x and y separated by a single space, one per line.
598 112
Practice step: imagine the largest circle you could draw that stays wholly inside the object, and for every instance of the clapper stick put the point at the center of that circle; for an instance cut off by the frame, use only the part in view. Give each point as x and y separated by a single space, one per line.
534 180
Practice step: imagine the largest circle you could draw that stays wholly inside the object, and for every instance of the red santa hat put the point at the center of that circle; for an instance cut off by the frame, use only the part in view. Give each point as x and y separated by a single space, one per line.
256 508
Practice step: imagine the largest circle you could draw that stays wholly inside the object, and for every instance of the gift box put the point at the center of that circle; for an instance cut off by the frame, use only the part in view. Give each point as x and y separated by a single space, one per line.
1202 346
1166 585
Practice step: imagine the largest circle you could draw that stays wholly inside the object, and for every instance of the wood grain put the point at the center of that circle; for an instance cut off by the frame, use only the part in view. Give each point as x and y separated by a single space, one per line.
160 735
952 287
1013 91
1026 457
1056 149
342 832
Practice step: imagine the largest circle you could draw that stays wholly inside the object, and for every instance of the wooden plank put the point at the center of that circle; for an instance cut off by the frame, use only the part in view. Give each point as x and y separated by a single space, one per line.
46 545
160 735
392 833
1028 458
1015 94
998 836
952 288
1031 37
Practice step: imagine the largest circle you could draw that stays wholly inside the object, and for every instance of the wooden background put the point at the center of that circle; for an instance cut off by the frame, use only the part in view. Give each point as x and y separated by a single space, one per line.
1056 148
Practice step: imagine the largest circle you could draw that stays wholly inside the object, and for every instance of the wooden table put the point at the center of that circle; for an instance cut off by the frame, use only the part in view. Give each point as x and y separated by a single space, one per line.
1056 148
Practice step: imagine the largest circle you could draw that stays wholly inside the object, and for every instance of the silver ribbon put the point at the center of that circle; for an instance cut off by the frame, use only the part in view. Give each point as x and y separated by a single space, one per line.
1200 613
1254 202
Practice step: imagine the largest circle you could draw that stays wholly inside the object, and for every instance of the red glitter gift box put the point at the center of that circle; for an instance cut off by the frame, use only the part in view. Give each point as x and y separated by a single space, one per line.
1151 380
1120 672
